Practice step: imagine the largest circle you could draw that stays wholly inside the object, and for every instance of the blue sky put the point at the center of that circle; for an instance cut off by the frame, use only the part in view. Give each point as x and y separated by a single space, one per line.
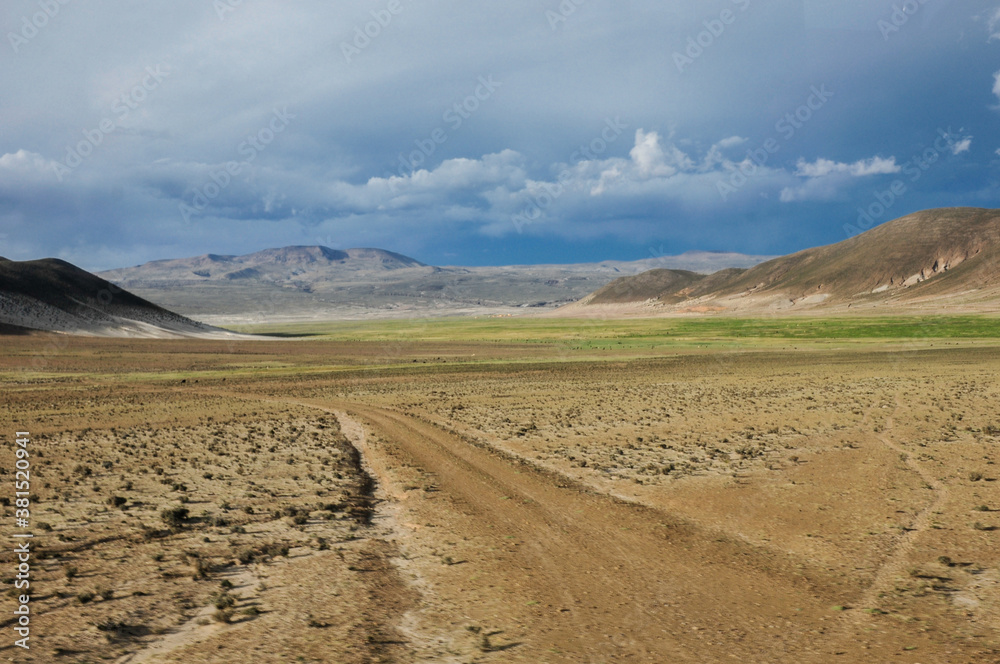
490 132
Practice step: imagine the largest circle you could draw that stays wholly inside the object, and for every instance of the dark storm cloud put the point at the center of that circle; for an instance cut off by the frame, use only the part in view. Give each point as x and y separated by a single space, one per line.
132 132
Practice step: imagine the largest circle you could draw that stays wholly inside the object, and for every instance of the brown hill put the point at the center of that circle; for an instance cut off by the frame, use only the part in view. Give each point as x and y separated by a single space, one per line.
943 258
646 286
55 296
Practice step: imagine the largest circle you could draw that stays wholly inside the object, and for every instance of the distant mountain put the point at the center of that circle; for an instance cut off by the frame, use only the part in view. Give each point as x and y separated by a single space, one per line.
271 264
319 282
945 258
55 296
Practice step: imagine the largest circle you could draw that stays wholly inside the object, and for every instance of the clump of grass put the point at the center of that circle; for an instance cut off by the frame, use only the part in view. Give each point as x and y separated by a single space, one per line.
223 600
975 476
175 517
223 616
202 568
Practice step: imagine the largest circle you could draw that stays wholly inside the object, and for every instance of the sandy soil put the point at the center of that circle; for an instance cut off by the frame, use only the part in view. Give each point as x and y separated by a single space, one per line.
819 505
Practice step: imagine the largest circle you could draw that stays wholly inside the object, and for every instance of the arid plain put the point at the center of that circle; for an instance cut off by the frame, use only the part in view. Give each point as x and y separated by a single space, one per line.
797 490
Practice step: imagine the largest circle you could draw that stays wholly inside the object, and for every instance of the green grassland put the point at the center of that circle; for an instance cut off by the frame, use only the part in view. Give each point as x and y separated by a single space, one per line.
647 333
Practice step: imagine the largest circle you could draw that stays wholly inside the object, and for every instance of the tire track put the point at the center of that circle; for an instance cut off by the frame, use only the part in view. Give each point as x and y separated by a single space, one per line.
895 564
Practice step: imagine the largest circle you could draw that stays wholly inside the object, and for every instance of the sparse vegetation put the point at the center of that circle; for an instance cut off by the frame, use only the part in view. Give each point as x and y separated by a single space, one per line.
783 444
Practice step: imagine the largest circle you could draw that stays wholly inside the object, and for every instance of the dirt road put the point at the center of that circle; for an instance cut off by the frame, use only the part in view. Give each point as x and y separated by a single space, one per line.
558 573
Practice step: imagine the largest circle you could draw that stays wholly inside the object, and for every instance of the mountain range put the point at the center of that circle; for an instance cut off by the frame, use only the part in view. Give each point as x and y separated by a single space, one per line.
945 260
320 283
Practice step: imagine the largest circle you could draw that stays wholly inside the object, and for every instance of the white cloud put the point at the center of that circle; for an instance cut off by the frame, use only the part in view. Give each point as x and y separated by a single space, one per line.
996 84
994 25
651 160
962 146
824 167
22 160
825 177
731 142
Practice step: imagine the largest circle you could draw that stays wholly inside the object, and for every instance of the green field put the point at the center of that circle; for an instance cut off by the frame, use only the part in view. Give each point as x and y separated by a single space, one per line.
647 333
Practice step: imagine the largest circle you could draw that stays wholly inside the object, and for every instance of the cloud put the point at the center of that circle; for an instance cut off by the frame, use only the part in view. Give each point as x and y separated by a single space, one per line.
994 25
961 146
826 178
22 160
823 167
731 142
357 120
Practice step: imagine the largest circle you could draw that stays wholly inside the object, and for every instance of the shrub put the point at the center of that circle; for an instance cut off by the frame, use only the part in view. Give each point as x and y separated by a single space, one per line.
117 501
246 555
223 615
223 600
975 476
175 517
202 568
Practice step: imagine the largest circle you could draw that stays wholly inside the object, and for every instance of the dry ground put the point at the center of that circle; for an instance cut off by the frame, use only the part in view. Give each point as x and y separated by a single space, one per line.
529 504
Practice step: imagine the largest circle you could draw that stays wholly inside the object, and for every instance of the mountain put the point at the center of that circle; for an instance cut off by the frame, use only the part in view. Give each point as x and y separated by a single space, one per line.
271 264
315 283
945 258
56 296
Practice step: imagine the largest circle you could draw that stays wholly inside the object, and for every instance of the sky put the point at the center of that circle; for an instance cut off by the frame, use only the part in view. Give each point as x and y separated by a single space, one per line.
487 133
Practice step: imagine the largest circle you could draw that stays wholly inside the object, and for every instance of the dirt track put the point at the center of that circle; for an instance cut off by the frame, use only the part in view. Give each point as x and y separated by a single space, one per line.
567 575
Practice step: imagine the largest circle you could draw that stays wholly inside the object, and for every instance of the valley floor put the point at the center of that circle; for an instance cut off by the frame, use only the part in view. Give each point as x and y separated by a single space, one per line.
371 496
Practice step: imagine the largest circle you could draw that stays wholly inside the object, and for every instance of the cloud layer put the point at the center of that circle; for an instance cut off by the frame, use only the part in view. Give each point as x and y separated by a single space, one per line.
138 132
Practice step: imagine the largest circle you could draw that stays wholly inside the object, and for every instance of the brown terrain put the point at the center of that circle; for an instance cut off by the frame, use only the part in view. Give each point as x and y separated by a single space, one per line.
935 260
491 501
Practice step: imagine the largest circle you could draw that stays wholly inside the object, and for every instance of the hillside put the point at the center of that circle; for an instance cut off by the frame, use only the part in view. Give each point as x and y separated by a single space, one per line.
315 283
55 296
944 258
